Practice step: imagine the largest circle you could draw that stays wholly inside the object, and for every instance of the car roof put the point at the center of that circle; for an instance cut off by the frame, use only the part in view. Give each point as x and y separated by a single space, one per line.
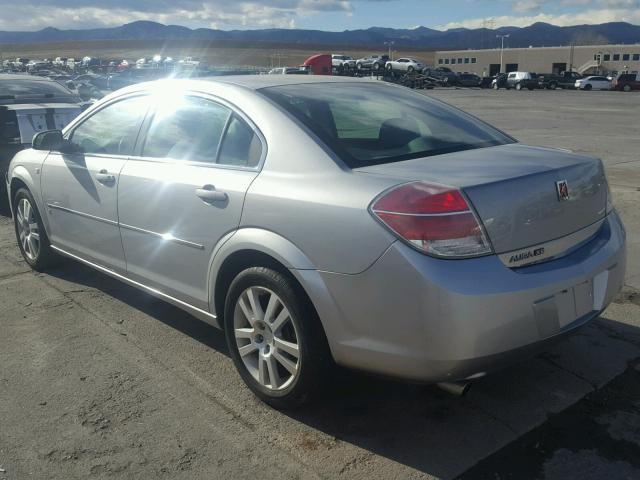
256 82
13 76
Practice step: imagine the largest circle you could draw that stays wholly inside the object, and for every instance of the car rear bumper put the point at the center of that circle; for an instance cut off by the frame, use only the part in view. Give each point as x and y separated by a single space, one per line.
426 319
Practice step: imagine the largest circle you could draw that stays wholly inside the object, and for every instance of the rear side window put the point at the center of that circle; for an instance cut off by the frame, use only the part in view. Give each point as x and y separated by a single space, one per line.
368 124
241 146
186 128
112 130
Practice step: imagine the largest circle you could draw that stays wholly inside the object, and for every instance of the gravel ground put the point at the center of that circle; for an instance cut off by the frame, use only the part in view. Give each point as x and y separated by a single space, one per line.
99 380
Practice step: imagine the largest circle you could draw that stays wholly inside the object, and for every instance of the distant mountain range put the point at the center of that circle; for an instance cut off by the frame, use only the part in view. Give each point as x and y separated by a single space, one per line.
537 35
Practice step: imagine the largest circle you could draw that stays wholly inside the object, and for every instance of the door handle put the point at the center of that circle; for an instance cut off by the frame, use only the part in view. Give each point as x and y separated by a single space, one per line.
104 177
208 193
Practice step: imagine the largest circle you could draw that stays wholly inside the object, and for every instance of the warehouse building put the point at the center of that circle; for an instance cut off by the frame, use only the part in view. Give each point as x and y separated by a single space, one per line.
601 59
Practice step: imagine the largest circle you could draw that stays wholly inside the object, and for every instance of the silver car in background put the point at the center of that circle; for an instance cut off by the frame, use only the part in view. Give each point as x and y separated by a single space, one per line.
320 220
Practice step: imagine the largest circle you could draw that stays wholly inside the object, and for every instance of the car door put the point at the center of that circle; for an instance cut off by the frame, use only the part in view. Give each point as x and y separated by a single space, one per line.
184 192
600 83
80 189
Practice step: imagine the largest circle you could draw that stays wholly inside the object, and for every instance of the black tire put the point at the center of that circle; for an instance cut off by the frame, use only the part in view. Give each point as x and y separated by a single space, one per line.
376 66
588 87
45 256
314 357
389 68
410 69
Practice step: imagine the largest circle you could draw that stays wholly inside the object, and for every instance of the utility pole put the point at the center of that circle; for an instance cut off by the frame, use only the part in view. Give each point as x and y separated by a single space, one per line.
390 44
571 53
502 37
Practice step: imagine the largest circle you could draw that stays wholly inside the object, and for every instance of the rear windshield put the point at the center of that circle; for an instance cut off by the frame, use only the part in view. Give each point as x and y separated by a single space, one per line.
370 124
27 88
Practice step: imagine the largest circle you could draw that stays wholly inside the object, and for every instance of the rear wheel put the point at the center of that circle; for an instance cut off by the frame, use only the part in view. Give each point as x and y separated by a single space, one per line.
32 238
275 338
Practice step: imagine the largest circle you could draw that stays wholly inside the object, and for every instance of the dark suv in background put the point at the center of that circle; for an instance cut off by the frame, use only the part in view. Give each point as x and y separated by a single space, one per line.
626 82
30 104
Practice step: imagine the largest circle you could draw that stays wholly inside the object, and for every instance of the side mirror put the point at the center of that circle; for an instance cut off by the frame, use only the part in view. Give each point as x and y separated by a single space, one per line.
47 140
52 140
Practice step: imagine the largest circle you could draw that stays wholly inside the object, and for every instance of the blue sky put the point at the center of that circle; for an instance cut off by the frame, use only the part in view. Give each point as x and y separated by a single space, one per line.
314 14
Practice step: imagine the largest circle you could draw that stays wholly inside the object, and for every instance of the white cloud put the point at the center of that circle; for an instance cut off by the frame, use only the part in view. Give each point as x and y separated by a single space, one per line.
212 13
586 17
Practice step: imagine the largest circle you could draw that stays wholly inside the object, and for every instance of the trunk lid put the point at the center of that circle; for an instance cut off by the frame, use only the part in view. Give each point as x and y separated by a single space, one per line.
514 190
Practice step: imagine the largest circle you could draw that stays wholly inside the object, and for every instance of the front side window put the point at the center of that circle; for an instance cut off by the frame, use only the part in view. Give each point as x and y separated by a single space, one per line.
112 130
186 128
374 124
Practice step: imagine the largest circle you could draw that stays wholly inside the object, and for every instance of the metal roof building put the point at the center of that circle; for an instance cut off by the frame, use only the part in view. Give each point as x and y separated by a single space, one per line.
583 59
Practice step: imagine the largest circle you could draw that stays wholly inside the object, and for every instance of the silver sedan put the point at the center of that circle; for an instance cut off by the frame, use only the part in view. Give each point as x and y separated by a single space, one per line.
321 221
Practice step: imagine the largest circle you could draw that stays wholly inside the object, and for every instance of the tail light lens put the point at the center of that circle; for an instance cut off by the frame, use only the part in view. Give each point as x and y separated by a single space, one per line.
435 219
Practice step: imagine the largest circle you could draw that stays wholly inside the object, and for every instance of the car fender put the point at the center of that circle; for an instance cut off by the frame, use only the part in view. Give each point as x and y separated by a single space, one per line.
294 259
258 239
22 173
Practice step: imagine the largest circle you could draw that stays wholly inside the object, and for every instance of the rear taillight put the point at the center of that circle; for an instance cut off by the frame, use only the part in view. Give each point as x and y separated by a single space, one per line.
436 219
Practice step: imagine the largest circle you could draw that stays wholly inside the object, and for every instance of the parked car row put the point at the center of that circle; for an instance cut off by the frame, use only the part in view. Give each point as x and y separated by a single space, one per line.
625 82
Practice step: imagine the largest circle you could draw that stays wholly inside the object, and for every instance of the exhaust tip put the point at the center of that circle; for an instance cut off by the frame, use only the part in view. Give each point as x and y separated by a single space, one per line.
459 389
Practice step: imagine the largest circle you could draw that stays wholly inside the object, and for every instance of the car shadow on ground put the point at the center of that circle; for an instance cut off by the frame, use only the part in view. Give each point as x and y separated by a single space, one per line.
420 426
160 310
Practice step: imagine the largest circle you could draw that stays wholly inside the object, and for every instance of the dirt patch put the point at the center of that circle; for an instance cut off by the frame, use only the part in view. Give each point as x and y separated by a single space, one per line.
628 295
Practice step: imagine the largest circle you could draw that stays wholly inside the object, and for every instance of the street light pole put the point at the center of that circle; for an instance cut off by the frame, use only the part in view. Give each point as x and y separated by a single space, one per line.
390 44
502 37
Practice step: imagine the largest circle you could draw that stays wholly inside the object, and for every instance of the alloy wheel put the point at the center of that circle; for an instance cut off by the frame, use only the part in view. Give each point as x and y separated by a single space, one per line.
28 231
267 338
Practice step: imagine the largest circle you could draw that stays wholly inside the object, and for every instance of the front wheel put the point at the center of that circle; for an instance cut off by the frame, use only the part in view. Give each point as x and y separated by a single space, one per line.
588 87
275 338
32 239
626 88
